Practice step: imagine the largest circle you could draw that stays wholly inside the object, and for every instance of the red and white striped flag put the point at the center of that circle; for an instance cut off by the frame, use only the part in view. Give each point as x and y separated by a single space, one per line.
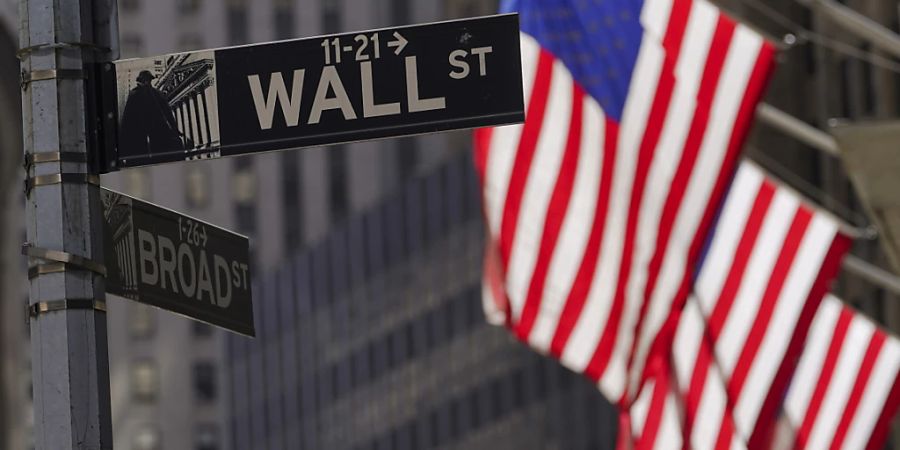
766 269
764 273
846 388
599 204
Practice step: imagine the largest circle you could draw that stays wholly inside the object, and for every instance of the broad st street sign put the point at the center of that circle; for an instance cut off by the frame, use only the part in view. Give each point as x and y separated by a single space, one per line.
161 258
317 91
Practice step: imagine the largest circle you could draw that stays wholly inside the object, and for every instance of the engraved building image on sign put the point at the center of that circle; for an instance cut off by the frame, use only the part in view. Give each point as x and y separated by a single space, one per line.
168 104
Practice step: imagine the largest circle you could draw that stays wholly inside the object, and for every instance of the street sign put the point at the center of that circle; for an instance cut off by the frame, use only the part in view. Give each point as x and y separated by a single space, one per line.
318 91
165 259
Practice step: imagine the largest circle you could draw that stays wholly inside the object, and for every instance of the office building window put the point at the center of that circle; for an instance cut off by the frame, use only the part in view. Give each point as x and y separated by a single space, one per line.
141 321
147 438
236 22
201 330
400 12
131 45
144 381
207 437
188 6
337 160
198 189
293 212
407 159
137 183
331 16
244 194
190 42
129 5
205 388
284 19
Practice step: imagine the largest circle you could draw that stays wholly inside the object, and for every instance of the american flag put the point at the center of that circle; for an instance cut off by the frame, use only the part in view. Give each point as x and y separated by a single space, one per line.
764 273
846 388
599 204
599 210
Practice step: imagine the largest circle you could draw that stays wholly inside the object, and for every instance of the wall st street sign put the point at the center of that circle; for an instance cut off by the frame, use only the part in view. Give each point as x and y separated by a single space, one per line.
165 259
317 91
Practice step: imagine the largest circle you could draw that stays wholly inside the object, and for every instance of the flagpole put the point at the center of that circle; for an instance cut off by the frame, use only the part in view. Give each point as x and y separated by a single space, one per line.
824 142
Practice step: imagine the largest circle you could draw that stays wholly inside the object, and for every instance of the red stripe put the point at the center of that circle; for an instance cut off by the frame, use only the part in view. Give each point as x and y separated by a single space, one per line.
700 122
726 431
756 85
741 258
768 413
768 302
482 143
654 413
582 284
646 154
824 380
525 154
678 19
556 212
862 380
698 383
879 433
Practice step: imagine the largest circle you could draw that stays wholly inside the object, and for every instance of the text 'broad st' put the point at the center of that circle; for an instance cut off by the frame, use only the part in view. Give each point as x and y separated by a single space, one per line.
164 259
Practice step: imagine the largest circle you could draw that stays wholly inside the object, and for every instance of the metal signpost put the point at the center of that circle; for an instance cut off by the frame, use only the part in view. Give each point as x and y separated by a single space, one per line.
84 115
317 91
165 259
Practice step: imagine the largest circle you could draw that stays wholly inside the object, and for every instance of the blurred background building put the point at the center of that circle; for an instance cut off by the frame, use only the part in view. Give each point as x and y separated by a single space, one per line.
368 256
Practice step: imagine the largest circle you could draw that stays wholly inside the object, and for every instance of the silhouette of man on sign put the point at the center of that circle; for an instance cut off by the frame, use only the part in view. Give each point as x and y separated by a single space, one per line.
148 124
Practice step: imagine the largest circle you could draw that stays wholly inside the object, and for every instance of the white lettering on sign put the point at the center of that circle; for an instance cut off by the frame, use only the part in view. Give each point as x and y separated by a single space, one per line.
370 109
417 104
189 270
290 103
331 79
458 61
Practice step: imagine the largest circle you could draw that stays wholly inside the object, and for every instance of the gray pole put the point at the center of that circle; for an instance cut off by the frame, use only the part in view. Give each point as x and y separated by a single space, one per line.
70 366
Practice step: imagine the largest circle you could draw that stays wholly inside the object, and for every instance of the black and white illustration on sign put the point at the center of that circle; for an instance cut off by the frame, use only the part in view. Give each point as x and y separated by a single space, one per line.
161 258
168 104
318 91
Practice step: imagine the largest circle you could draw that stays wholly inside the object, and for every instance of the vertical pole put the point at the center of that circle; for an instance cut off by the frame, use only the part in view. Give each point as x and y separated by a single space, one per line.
70 366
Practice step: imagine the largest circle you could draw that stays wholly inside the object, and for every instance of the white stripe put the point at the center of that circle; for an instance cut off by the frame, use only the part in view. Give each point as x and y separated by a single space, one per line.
575 229
641 408
871 405
539 188
669 435
691 327
755 280
710 411
505 142
689 73
812 360
655 17
845 373
732 85
728 231
790 303
589 326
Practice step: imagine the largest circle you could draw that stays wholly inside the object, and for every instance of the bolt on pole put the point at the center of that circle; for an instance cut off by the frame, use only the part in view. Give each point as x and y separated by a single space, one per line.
60 40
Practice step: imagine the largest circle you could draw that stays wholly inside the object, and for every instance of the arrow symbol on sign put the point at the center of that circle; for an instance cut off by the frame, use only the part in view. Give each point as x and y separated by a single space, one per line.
400 43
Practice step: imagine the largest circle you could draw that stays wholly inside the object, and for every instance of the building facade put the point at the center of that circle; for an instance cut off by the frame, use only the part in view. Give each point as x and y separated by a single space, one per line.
284 201
368 309
374 338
